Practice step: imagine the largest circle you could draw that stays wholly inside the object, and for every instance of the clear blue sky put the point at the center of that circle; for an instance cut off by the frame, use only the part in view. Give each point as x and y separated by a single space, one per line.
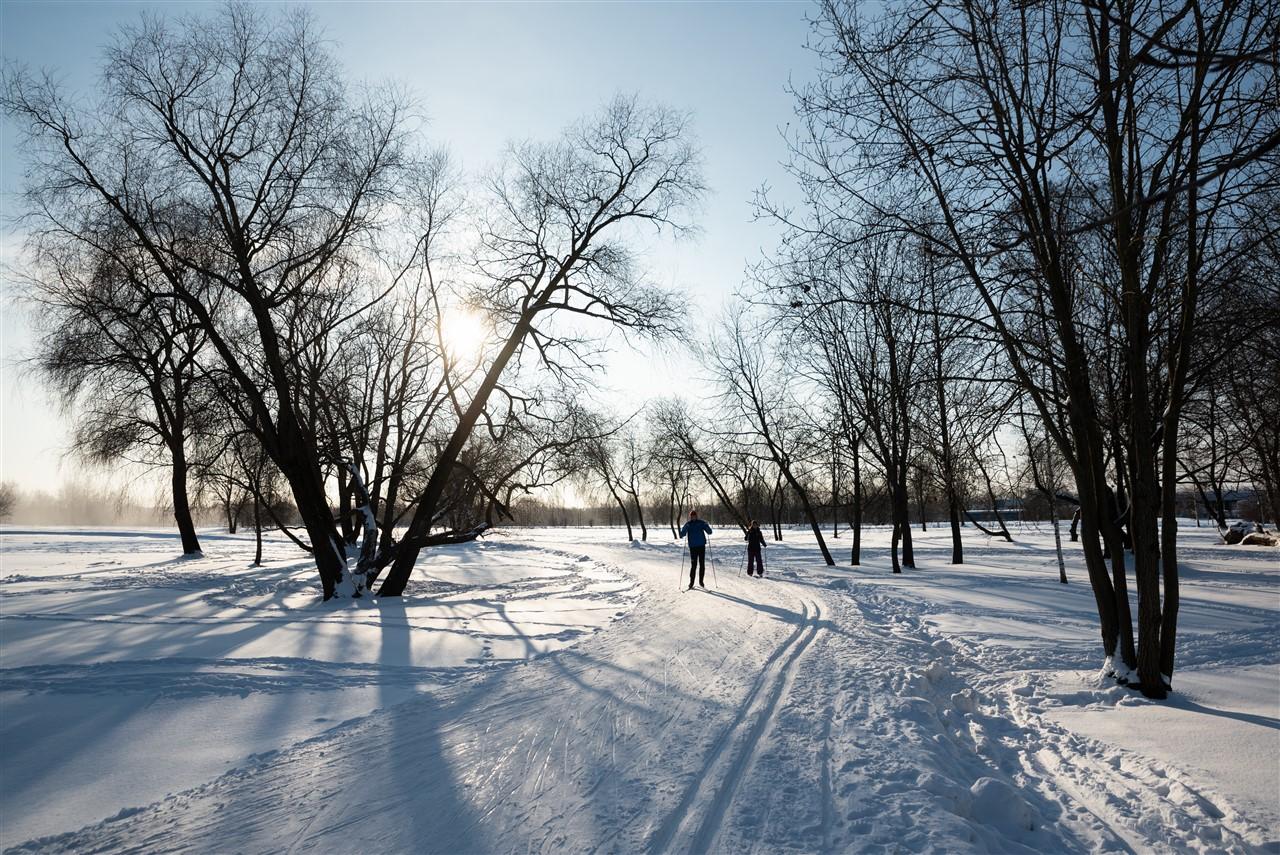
488 73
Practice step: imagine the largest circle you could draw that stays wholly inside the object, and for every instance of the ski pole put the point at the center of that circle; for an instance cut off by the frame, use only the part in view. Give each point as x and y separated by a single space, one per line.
680 578
715 579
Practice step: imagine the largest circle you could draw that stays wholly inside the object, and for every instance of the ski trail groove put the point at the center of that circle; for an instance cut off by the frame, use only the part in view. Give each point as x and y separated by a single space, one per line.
743 733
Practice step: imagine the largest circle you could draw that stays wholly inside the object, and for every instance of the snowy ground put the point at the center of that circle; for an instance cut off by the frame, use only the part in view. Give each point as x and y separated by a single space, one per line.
156 704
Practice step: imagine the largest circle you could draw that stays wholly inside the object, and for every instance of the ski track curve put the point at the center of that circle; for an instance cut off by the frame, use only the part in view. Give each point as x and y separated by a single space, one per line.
776 715
731 756
588 748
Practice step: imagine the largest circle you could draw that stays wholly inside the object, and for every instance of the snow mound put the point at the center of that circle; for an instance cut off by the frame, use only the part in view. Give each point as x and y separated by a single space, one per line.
965 701
960 798
838 584
998 805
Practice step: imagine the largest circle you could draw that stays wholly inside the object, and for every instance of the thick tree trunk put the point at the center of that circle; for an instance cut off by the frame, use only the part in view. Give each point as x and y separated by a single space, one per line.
893 545
230 515
953 514
1091 484
294 461
346 509
902 518
182 505
1120 590
1144 512
1169 567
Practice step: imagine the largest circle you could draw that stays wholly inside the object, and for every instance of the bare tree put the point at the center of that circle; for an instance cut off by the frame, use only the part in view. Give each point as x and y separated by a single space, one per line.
8 499
124 362
554 248
694 453
1136 129
240 165
768 421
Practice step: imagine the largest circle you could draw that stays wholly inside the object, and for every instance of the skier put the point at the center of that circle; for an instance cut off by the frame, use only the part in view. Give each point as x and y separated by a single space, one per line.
755 545
696 530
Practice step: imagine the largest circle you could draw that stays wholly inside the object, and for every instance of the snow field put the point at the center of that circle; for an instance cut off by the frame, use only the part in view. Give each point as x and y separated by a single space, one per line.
952 709
127 674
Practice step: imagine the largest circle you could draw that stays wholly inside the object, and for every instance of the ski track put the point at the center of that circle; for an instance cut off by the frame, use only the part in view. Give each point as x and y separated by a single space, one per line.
733 751
776 715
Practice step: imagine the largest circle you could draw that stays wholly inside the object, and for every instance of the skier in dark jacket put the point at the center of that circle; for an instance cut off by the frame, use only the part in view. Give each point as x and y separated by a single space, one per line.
755 549
696 530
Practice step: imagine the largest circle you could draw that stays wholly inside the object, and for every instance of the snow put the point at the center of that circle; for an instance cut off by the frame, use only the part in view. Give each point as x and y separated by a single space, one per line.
555 689
129 674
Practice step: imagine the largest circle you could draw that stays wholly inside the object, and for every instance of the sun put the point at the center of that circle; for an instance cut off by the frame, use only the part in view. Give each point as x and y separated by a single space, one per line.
464 332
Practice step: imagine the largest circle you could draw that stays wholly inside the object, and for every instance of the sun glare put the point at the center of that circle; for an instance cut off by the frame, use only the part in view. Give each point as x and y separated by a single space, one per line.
464 332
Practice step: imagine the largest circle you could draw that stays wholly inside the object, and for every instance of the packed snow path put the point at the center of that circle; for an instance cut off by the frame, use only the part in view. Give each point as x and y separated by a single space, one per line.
813 710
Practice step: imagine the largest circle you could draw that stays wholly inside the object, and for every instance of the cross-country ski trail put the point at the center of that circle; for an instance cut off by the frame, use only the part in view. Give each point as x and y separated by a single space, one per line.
798 712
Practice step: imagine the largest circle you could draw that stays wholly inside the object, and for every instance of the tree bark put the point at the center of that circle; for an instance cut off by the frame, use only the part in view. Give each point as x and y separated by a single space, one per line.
257 531
855 555
644 529
182 505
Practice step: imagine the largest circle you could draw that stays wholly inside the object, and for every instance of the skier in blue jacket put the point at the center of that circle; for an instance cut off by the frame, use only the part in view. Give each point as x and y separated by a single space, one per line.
696 530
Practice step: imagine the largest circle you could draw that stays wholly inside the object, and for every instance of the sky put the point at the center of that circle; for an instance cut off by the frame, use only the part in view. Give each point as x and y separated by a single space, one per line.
487 74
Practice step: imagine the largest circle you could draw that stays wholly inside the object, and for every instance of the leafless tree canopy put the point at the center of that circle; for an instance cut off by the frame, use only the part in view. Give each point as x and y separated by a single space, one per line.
1035 258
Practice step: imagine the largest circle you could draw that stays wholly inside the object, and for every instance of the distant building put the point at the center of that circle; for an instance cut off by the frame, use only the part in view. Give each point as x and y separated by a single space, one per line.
1235 503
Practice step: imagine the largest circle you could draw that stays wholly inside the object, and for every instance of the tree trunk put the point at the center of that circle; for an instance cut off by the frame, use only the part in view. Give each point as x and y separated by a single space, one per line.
231 515
622 506
953 513
1144 513
811 515
346 509
671 514
1051 491
893 544
257 531
944 433
1120 587
1057 544
428 503
1169 565
835 490
303 476
644 529
855 556
902 514
775 508
182 506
